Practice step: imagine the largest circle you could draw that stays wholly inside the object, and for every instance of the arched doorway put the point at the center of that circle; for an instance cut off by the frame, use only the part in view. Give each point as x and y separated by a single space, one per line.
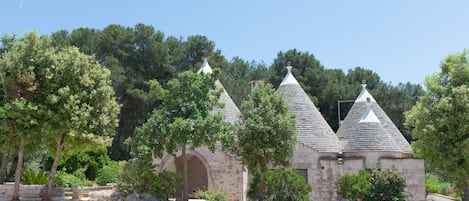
196 172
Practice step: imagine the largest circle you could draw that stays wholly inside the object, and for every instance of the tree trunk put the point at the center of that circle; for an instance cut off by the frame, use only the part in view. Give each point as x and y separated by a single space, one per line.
261 186
19 166
50 182
185 179
3 168
465 188
11 173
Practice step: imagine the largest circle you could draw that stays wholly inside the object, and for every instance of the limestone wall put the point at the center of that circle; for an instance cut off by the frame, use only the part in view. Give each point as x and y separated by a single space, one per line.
413 170
27 191
372 157
320 171
225 173
328 176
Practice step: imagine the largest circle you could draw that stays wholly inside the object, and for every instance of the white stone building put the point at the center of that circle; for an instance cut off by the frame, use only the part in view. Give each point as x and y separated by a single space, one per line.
367 139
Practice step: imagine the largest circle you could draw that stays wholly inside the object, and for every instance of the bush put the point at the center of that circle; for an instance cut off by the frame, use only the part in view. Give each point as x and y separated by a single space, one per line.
30 177
89 161
107 174
386 185
432 183
210 195
138 176
354 186
281 185
77 179
375 186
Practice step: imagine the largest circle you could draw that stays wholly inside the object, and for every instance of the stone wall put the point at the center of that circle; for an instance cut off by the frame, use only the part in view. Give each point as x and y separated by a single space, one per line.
413 170
320 171
224 171
324 170
28 191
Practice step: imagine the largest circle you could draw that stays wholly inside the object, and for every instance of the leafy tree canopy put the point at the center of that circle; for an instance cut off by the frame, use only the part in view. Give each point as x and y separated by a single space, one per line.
439 120
267 134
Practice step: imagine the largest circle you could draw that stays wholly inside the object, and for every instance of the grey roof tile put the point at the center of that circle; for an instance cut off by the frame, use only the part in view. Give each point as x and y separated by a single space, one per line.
350 129
230 112
313 129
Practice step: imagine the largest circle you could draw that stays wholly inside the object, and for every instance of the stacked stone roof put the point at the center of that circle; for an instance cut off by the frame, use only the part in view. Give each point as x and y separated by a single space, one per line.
358 134
313 130
230 112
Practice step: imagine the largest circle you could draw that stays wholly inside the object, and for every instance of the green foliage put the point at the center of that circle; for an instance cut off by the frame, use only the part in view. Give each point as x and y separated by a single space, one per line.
355 186
439 121
375 186
267 134
386 185
88 160
29 177
432 183
57 95
137 175
108 174
210 195
281 185
77 179
185 117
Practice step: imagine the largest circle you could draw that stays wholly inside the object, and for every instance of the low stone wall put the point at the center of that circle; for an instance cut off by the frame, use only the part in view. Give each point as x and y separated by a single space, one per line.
34 191
26 191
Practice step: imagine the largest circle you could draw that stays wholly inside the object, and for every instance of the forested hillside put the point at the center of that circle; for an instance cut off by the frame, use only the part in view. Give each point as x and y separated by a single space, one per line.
140 53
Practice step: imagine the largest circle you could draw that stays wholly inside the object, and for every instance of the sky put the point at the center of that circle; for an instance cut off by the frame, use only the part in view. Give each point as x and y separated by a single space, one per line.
401 40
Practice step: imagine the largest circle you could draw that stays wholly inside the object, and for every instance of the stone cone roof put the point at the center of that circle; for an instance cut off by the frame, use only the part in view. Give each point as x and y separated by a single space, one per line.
230 112
313 130
370 136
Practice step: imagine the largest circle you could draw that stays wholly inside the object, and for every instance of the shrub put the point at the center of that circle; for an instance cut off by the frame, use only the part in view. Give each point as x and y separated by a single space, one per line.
107 174
432 183
89 161
29 177
281 185
375 186
386 185
77 179
210 195
138 176
354 186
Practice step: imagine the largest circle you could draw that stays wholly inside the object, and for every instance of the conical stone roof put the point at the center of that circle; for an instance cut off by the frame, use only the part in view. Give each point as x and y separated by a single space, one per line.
230 112
371 135
313 130
356 136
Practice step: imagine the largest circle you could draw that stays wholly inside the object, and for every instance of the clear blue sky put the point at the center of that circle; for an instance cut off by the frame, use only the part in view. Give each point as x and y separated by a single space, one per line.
401 40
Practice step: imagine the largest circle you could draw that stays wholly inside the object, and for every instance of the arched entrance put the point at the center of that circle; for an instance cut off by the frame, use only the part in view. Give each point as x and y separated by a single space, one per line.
196 172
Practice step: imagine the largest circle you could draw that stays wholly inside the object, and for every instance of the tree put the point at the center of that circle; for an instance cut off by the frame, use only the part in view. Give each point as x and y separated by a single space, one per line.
6 42
267 134
65 93
21 112
438 121
184 119
81 102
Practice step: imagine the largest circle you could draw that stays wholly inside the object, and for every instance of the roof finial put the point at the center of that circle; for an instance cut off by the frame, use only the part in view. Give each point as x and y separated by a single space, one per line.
289 67
364 84
205 55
